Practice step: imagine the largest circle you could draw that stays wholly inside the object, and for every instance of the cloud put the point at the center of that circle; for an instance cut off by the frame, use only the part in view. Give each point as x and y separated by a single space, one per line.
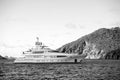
115 11
71 26
13 46
115 24
12 49
6 45
75 26
81 26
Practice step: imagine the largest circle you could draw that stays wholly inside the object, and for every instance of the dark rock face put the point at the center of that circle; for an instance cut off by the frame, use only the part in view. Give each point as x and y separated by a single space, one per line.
101 44
1 58
73 47
115 54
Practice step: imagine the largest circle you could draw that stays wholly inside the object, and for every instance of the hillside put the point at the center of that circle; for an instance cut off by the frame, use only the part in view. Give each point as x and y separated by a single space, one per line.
6 59
101 44
2 58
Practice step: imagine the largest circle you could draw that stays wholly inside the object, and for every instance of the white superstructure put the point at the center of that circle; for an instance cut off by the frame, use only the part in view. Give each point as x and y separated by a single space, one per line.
42 54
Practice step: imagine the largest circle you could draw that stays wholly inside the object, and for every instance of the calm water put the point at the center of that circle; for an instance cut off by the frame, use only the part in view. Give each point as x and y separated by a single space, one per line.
88 70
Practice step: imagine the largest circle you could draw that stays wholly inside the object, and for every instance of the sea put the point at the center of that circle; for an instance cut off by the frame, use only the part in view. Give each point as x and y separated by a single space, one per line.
87 70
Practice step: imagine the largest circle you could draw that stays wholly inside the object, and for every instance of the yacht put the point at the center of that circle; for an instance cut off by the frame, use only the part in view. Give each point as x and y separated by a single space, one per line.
42 54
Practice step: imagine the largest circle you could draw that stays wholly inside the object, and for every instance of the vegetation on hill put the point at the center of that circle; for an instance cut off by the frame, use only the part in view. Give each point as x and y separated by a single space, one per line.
103 43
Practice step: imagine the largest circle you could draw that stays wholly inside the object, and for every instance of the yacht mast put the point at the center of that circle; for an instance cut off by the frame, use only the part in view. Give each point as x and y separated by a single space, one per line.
37 39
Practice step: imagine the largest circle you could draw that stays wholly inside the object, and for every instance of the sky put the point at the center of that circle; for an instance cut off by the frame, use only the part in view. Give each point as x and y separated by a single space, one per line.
55 22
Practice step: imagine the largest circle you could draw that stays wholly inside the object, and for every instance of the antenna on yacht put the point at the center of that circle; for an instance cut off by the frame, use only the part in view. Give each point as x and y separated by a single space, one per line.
37 42
37 39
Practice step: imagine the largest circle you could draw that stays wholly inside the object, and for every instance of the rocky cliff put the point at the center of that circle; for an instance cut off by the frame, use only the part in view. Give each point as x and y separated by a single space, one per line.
101 44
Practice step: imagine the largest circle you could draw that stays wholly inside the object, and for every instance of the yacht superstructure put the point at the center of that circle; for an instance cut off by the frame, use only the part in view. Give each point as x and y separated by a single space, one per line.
43 54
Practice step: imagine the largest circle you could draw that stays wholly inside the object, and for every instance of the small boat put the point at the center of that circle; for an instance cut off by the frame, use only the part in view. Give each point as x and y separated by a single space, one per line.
42 54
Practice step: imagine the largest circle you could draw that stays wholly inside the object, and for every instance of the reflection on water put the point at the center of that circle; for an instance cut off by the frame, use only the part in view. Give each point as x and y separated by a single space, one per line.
88 70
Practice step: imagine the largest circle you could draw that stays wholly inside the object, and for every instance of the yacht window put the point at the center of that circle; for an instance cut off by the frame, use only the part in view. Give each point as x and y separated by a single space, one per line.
61 56
38 52
52 51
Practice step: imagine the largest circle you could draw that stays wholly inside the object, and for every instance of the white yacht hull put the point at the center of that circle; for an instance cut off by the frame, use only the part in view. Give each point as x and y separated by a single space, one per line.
55 60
